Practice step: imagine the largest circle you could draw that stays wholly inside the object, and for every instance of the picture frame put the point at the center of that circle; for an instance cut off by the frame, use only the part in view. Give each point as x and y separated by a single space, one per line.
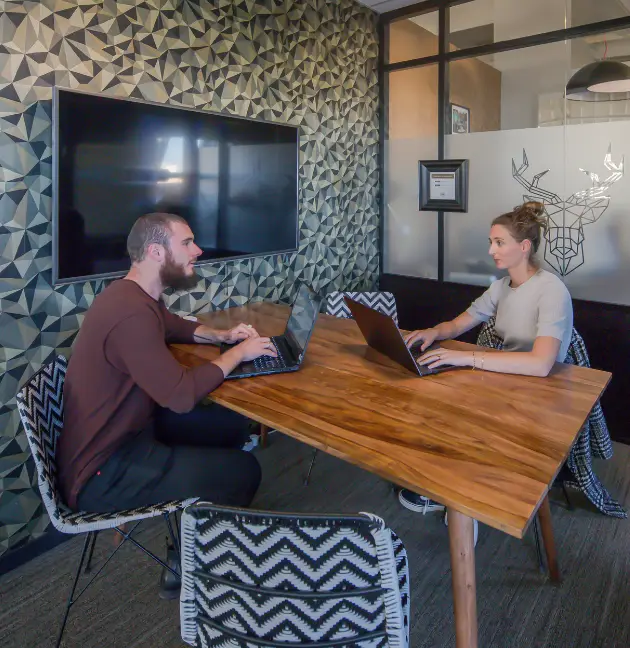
460 119
443 185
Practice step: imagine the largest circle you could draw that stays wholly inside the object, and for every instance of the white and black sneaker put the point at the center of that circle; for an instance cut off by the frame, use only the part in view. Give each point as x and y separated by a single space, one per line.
418 503
422 504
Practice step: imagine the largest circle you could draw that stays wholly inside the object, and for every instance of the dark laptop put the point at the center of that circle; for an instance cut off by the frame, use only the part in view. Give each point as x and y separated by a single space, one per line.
381 333
291 345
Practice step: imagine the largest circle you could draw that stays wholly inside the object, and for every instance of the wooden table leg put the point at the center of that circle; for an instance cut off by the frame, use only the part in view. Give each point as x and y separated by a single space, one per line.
461 535
264 431
544 515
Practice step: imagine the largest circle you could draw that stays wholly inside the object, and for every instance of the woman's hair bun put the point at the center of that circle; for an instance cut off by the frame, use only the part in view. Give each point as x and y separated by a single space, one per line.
527 221
535 207
533 212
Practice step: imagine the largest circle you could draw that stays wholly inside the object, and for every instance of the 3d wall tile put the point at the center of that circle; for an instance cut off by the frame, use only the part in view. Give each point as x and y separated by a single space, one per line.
310 63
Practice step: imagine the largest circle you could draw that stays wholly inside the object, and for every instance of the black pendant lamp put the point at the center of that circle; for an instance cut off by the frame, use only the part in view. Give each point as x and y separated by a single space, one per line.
600 81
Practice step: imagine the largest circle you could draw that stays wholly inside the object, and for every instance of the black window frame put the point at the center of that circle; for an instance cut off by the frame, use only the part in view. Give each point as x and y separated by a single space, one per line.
443 58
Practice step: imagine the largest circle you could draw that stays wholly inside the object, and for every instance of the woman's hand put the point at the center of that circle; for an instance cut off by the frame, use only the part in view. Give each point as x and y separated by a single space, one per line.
440 357
426 336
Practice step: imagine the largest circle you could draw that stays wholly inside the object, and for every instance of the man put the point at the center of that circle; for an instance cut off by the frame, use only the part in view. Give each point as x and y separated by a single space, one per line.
133 432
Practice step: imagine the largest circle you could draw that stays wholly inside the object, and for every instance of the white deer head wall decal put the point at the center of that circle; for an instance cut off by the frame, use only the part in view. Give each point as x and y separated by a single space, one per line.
564 238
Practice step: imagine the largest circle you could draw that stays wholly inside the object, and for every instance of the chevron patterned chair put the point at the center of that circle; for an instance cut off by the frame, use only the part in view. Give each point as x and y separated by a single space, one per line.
259 578
40 405
383 302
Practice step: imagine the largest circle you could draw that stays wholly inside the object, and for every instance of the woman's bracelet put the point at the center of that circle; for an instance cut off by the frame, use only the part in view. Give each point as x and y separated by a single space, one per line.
474 363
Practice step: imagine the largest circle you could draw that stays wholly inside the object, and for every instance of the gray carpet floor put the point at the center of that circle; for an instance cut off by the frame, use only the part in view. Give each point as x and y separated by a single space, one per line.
517 606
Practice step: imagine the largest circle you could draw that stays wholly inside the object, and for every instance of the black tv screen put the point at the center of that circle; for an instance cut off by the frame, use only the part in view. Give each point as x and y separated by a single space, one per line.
234 180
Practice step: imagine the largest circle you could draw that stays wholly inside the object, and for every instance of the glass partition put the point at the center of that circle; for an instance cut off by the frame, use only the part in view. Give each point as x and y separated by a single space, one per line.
482 22
507 114
410 243
568 155
413 38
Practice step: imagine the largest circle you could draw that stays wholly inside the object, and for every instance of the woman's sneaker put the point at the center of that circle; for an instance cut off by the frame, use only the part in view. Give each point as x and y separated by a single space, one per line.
418 503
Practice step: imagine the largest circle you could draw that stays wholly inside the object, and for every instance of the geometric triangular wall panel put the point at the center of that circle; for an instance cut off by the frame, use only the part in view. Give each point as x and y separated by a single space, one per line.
309 63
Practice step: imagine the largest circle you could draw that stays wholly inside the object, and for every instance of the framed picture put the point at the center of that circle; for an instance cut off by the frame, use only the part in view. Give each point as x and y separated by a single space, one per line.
443 185
460 119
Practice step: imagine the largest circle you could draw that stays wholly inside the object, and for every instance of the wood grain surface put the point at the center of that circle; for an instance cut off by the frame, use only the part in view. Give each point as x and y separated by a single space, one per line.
485 444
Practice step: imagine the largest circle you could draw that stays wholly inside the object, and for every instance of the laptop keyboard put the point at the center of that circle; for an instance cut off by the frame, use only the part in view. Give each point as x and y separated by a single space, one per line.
263 363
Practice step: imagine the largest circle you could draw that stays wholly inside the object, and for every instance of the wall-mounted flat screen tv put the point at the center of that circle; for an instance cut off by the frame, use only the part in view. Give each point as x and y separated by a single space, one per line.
234 180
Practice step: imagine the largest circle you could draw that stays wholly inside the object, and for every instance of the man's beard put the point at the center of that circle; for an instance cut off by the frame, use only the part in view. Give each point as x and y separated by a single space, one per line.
174 276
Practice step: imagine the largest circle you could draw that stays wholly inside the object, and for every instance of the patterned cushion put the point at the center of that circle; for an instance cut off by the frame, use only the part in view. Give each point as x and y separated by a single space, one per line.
251 577
383 302
40 405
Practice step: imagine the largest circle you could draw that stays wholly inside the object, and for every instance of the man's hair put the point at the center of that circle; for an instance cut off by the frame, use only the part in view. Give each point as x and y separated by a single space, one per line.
149 229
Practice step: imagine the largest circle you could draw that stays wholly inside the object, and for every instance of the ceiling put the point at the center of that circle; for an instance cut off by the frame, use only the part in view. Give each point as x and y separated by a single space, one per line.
583 11
387 5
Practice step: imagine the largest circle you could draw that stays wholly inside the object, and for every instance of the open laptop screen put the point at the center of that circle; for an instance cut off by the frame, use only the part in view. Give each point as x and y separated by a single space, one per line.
303 314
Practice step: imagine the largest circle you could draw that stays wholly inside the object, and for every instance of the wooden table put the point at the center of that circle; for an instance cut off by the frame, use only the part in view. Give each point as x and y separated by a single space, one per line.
486 445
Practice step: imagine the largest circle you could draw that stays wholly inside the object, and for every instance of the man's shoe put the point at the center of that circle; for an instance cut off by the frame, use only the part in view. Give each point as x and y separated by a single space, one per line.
251 443
418 503
170 585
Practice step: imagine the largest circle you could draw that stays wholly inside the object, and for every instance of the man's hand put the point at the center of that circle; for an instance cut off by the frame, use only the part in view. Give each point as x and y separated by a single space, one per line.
240 333
256 347
250 349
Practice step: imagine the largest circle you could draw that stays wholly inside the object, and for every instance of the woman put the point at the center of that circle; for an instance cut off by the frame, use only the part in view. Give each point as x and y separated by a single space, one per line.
533 311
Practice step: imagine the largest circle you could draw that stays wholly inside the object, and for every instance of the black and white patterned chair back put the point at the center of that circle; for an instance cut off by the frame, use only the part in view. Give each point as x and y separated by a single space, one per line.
256 578
576 353
383 302
488 336
40 405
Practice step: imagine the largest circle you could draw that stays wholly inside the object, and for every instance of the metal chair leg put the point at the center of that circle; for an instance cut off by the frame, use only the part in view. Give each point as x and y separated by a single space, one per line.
174 538
310 469
88 540
541 564
159 561
178 524
566 497
86 553
88 564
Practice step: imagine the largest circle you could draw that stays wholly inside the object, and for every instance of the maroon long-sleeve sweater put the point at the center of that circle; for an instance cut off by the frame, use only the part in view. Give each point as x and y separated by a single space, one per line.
119 369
